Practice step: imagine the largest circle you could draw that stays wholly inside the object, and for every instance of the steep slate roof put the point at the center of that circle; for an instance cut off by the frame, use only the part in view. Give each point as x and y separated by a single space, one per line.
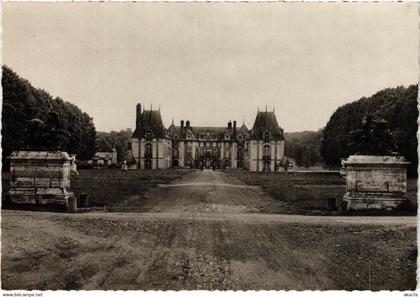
266 122
215 132
243 129
150 120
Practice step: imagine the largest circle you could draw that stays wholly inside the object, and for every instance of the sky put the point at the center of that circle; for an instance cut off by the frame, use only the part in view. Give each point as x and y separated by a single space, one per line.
212 62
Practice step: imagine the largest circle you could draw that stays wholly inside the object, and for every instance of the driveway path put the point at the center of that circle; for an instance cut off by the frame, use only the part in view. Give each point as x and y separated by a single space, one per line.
214 195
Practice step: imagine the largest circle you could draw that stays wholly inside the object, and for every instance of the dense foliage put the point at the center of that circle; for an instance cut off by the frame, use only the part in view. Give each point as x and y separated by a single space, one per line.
304 147
33 120
106 141
397 106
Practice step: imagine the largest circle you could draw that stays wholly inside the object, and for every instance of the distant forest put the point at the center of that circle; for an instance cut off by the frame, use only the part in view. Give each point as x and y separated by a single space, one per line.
304 147
397 106
106 141
33 120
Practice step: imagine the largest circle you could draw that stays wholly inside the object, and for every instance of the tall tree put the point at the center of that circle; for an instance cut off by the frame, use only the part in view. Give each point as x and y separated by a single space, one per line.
33 120
397 106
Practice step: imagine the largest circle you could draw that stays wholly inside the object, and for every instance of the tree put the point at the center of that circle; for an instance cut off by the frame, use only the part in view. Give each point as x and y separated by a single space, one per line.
33 120
397 106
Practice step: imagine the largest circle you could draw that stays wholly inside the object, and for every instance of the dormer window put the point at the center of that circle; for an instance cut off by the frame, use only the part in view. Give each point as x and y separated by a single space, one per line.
148 136
266 136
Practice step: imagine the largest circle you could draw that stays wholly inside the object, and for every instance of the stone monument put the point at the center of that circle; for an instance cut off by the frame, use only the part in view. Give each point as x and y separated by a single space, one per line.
376 176
41 177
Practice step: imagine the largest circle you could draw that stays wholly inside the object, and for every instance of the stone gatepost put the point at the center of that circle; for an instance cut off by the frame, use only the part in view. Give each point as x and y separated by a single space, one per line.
40 177
375 182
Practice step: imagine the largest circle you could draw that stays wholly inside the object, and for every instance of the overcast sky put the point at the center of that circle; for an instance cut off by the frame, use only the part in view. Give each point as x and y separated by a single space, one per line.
212 62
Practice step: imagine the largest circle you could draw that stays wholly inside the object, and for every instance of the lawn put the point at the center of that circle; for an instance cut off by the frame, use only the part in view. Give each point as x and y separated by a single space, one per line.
113 187
308 192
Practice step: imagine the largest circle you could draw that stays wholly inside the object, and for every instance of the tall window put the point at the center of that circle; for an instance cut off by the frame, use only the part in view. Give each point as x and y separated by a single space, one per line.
267 152
148 150
148 156
266 157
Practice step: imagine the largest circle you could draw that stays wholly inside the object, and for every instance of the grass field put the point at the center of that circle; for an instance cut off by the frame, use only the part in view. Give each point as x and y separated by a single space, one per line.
287 193
307 192
112 187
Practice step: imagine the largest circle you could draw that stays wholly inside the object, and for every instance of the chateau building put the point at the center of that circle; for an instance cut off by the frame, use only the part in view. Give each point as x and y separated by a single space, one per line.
258 149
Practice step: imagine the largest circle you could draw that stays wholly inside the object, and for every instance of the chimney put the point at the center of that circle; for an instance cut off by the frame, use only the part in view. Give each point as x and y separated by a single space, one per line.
230 125
138 114
187 124
234 129
182 127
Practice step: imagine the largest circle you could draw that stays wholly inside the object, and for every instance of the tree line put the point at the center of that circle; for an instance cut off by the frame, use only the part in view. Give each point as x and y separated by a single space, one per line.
304 147
33 120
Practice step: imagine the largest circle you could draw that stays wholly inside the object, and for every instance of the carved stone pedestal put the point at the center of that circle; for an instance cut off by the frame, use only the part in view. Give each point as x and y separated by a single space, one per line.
40 177
375 182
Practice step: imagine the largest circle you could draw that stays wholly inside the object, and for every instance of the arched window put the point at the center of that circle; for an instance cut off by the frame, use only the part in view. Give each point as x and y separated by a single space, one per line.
266 136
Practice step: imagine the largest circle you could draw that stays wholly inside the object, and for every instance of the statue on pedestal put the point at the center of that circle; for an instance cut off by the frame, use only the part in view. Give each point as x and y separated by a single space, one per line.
373 138
376 175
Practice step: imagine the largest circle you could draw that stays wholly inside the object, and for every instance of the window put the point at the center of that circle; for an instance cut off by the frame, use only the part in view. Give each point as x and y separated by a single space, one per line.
266 152
148 135
266 157
266 137
148 150
148 156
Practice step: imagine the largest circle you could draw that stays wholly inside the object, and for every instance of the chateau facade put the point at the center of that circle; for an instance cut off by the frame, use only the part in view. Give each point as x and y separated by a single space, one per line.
185 146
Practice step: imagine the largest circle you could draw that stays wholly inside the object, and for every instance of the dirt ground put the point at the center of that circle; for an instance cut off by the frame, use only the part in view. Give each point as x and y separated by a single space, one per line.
205 230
